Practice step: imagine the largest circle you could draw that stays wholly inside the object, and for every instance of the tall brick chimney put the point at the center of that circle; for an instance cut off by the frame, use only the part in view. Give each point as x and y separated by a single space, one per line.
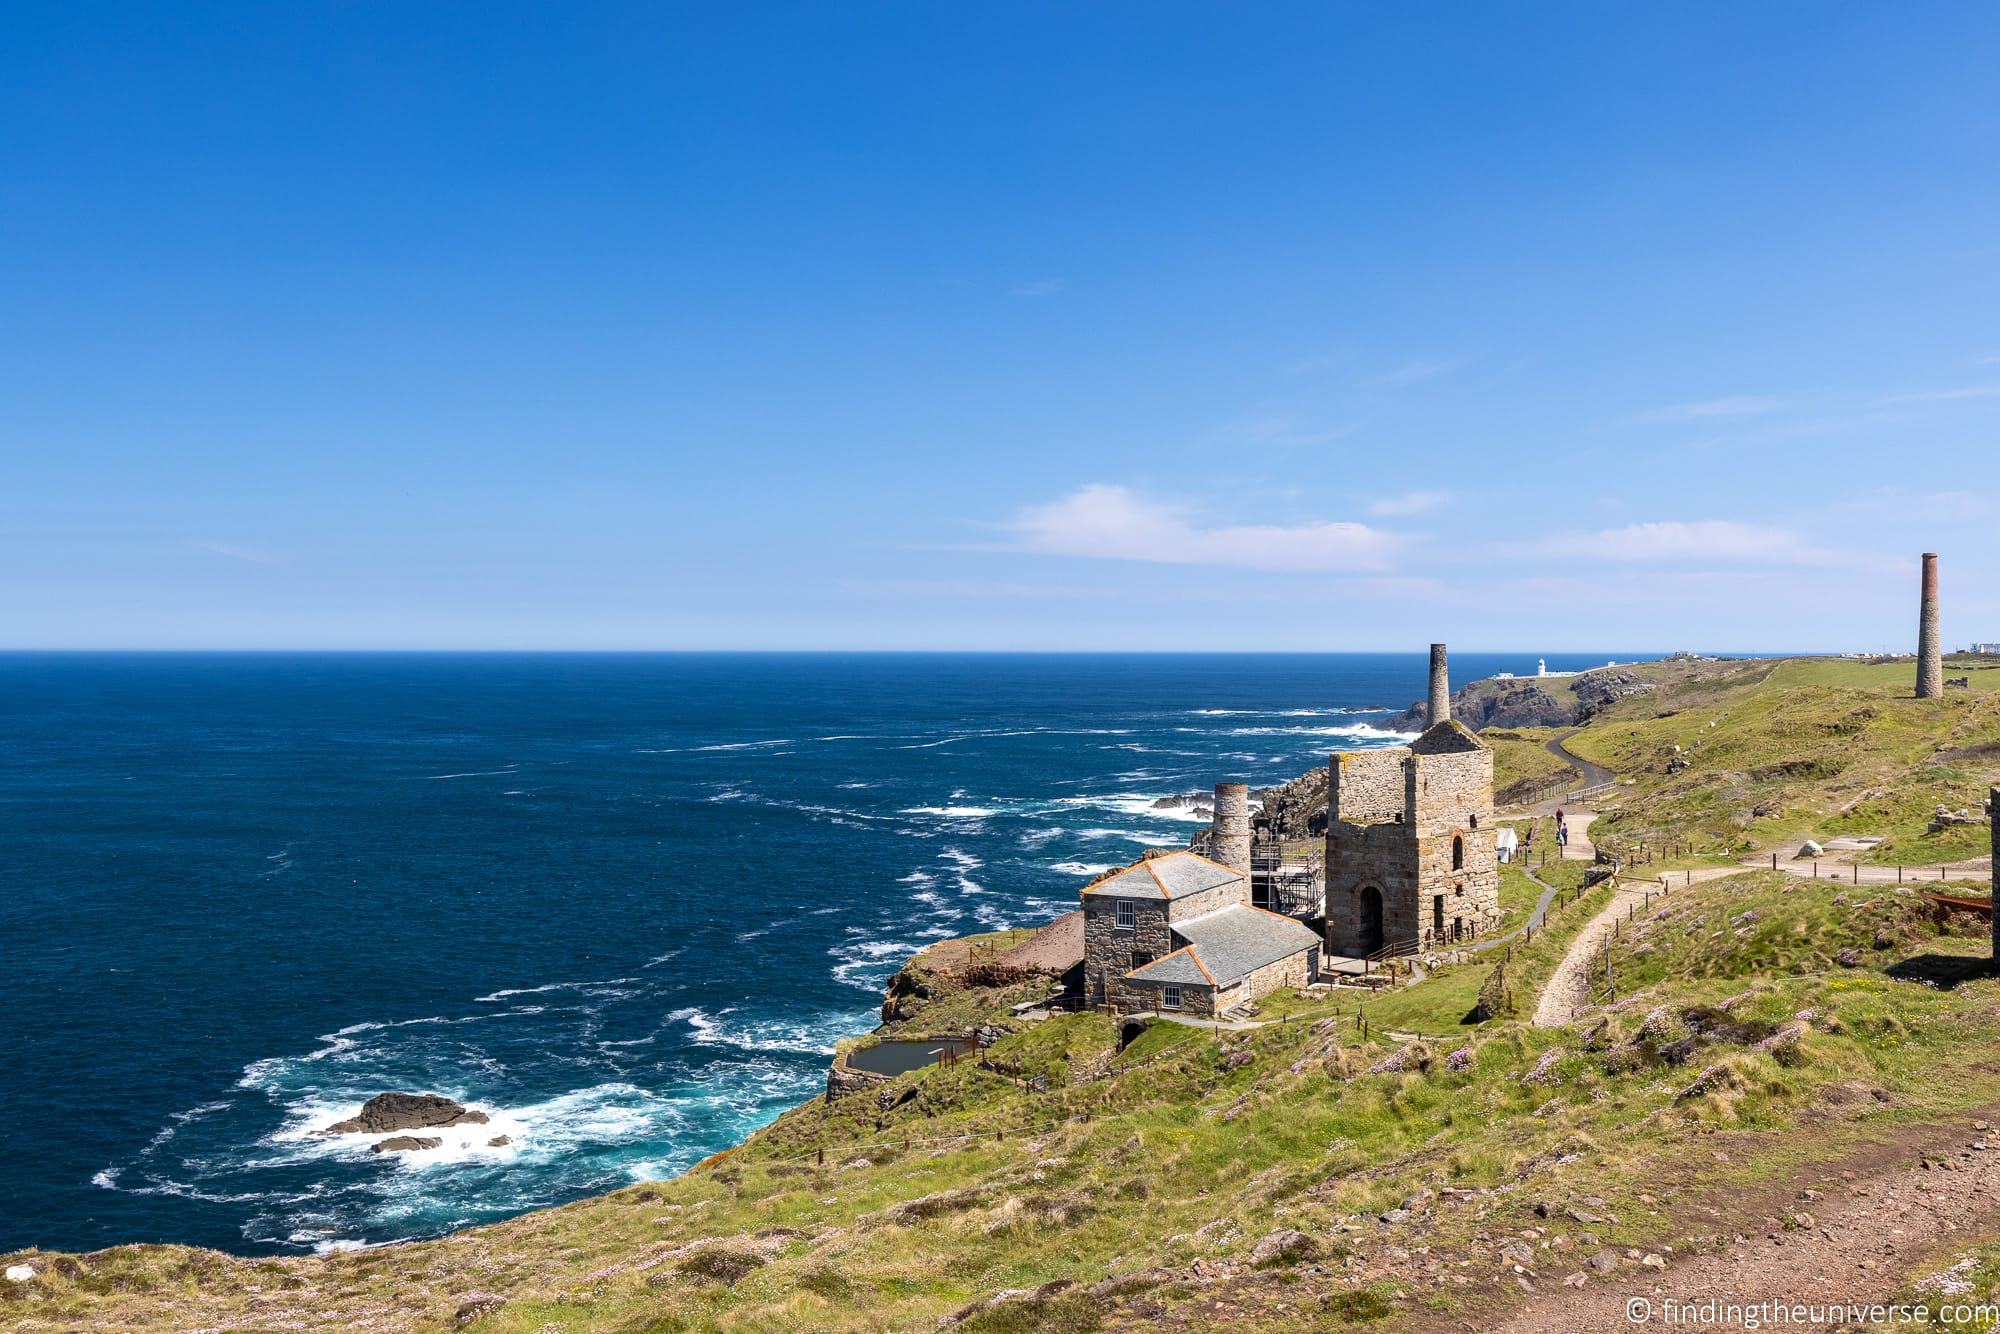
1440 686
1930 658
1230 834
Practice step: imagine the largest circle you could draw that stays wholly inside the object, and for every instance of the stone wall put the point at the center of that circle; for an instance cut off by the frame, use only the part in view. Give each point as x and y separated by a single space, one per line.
1107 951
1366 786
1452 791
1208 1002
1358 857
1296 971
1426 899
842 1080
1201 1002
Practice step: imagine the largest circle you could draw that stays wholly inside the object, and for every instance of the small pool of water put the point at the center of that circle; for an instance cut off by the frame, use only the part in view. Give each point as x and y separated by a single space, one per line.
899 1056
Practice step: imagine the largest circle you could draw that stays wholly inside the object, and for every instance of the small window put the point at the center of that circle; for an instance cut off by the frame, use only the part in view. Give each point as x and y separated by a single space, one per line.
1128 915
1170 998
1475 821
1457 853
1140 958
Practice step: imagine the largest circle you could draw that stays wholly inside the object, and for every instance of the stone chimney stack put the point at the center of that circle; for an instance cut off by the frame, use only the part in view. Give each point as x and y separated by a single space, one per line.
1930 658
1440 686
1230 834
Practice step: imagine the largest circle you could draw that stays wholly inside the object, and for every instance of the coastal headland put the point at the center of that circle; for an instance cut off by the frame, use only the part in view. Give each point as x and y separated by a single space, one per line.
1775 1063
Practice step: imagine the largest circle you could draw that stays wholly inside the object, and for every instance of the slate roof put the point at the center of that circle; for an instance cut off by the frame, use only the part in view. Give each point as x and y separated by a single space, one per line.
1173 876
1227 945
1448 737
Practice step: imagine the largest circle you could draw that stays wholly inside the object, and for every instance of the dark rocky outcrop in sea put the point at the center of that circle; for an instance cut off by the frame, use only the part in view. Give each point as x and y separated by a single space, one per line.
386 1112
406 1143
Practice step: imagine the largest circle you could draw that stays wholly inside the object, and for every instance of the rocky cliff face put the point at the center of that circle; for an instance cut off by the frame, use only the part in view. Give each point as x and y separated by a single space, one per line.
1528 702
1295 809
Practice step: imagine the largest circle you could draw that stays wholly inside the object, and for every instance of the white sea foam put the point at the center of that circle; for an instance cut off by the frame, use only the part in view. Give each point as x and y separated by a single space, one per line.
807 1037
1082 868
954 812
478 773
610 986
747 745
1357 730
1133 803
1152 838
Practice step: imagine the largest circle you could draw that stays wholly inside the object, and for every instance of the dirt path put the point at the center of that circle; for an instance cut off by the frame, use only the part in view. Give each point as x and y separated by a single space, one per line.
1574 979
1593 773
1577 977
1850 1235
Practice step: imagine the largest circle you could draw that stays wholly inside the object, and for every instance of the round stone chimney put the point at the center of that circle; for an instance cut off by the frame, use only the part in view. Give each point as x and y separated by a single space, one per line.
1230 834
1930 655
1440 686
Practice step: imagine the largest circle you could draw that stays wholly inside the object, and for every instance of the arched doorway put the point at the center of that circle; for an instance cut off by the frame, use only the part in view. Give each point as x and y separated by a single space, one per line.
1371 920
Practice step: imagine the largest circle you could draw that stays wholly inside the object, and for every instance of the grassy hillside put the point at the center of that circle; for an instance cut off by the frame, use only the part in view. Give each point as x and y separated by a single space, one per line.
1764 755
1308 1173
1147 1183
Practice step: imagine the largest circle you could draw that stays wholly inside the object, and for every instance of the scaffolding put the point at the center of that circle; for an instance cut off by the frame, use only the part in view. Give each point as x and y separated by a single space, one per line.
1292 883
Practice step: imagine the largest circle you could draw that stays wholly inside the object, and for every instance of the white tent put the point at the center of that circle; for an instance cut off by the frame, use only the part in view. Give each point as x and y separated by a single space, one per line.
1505 840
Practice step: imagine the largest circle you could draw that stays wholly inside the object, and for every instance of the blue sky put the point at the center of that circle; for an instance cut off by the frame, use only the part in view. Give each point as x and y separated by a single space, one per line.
1019 327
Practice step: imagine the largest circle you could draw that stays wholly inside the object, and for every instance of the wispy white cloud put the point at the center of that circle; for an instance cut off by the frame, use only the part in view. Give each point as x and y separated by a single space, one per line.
1680 541
1729 405
230 551
1040 287
1111 523
1410 502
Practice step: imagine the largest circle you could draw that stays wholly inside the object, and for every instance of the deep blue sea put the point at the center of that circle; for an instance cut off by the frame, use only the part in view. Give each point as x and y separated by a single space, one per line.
627 903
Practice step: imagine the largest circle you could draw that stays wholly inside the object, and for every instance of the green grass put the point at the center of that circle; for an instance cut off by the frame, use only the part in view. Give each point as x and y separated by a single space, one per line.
1772 754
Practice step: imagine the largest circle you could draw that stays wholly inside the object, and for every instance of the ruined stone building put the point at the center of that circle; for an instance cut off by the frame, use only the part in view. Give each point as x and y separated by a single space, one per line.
1176 933
1410 839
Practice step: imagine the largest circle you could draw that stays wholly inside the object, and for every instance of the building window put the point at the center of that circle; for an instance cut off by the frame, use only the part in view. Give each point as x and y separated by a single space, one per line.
1475 820
1170 998
1128 915
1140 958
1457 853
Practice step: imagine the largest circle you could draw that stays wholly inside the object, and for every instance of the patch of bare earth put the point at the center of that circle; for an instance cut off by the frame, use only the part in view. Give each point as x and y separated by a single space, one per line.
1843 1233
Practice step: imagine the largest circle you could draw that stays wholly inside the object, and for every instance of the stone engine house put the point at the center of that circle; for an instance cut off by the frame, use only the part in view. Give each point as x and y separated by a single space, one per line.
1411 861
